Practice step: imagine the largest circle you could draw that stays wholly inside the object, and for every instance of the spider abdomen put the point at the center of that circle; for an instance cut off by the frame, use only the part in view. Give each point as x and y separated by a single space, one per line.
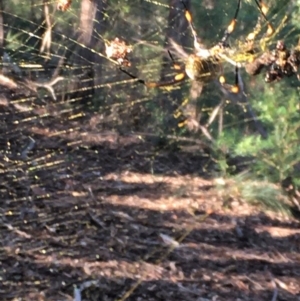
202 69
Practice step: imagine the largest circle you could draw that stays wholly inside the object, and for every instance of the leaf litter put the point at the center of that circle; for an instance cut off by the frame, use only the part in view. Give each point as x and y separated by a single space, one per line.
94 223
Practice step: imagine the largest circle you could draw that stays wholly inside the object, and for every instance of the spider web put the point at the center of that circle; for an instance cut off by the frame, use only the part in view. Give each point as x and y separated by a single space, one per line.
64 61
59 87
70 118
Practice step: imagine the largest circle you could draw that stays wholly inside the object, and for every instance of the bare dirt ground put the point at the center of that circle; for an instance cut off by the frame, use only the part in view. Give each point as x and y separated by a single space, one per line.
122 221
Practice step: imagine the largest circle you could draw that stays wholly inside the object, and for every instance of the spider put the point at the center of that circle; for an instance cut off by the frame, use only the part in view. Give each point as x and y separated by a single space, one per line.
204 64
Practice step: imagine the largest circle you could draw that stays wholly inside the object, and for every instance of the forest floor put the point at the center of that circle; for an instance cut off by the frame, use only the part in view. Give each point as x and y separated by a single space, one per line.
119 220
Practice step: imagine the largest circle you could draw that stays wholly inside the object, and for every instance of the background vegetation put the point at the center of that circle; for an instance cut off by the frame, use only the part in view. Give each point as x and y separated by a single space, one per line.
256 133
107 194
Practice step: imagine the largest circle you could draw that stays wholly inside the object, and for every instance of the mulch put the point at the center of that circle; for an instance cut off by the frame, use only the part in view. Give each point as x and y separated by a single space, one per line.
117 218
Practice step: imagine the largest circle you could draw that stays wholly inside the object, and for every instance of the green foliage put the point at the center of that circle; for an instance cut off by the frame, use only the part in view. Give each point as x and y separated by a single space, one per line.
244 188
272 159
277 156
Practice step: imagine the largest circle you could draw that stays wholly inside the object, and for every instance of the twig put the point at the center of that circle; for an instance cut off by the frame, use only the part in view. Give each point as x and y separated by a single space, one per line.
46 40
215 112
95 220
46 85
206 133
28 148
275 293
29 84
19 232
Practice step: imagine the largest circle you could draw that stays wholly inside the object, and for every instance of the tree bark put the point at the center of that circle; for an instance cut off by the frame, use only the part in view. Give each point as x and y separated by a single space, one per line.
87 41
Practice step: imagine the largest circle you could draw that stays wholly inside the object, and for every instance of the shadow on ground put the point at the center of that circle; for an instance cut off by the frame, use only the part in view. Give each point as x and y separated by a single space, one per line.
126 219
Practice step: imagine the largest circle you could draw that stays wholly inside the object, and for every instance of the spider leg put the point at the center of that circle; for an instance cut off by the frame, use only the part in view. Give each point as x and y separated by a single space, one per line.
188 17
227 33
231 26
178 78
263 9
231 88
205 54
175 65
257 62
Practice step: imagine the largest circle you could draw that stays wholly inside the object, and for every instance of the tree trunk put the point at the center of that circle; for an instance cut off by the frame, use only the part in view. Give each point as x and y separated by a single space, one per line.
87 41
1 29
